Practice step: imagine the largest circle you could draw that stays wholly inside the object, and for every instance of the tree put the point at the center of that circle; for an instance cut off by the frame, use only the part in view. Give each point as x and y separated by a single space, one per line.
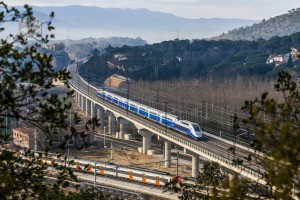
278 137
208 183
26 77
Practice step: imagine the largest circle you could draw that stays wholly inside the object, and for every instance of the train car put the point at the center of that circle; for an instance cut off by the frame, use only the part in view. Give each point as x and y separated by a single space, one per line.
188 128
130 173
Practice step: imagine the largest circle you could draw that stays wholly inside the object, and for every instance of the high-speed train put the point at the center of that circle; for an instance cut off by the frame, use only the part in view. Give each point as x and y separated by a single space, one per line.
183 126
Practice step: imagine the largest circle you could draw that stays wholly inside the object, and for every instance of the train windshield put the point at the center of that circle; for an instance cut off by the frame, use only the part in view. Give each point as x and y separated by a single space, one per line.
196 127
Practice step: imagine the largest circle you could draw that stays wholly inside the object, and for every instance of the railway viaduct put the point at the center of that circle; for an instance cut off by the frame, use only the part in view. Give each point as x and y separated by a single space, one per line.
88 101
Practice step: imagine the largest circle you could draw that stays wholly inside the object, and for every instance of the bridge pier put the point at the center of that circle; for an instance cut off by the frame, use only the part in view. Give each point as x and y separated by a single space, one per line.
79 99
87 106
195 163
146 139
167 154
100 116
82 102
111 123
92 109
123 128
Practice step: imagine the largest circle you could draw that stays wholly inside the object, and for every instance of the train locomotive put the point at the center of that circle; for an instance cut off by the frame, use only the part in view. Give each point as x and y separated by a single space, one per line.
185 127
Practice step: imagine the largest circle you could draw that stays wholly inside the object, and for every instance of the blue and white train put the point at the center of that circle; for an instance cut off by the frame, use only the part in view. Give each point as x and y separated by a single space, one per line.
183 126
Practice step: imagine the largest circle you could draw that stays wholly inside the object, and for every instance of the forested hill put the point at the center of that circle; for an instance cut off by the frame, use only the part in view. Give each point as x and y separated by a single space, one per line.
192 59
282 25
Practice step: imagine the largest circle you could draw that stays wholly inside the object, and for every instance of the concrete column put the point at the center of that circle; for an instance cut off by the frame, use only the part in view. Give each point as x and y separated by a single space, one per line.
100 116
111 124
167 154
92 109
87 106
231 179
79 99
123 128
146 139
195 165
82 102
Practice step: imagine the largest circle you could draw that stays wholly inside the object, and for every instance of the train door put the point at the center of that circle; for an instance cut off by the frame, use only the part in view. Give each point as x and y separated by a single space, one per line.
144 178
78 166
89 168
157 180
101 170
130 175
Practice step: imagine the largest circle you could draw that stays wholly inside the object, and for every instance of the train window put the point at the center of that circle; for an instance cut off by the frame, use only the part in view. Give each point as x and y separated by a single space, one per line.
185 123
181 127
196 127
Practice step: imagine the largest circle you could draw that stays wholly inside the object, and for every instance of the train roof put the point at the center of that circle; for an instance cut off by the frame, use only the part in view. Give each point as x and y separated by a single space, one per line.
148 170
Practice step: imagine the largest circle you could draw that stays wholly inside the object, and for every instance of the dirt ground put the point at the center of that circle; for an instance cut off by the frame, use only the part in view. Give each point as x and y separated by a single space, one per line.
132 158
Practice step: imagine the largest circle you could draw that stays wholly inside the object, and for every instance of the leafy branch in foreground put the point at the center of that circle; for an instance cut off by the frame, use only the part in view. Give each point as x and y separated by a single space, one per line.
26 80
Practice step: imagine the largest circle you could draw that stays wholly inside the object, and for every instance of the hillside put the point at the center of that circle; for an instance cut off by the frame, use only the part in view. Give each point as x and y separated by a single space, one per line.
77 22
83 47
184 59
282 25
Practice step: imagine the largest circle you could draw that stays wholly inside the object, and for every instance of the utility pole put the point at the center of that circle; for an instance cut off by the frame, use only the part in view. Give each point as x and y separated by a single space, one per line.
6 121
68 157
177 163
128 90
111 152
95 175
35 140
104 138
70 117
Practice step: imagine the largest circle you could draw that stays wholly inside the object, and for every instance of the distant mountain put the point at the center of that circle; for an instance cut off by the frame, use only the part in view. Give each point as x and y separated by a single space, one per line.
282 25
76 22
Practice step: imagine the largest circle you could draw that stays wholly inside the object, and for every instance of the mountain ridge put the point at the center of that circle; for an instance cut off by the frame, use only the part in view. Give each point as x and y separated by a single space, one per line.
91 21
281 25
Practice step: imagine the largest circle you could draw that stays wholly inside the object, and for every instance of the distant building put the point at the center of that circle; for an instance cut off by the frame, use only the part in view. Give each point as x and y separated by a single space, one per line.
25 137
120 56
115 81
33 139
283 58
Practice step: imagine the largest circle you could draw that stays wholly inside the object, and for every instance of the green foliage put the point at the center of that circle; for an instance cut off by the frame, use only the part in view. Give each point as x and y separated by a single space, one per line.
26 80
279 136
208 183
184 59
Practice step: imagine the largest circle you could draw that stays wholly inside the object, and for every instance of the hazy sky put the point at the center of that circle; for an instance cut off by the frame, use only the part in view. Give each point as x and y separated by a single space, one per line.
246 9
